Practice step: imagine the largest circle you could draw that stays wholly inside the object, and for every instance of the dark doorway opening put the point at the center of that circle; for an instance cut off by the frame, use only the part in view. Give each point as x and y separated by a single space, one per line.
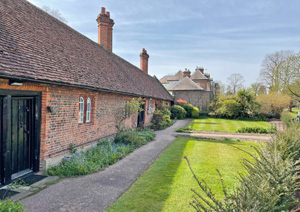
141 117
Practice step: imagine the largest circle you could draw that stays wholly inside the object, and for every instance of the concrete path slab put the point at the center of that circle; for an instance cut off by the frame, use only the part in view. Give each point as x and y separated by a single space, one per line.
97 191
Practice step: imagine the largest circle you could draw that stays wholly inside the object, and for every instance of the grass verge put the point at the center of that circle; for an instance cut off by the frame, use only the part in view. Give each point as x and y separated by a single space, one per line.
166 185
224 125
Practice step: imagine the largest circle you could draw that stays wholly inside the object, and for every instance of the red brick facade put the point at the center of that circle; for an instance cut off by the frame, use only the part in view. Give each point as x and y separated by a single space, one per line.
60 113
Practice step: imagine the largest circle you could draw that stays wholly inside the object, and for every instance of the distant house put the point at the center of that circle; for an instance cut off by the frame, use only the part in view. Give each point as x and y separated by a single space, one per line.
198 89
57 88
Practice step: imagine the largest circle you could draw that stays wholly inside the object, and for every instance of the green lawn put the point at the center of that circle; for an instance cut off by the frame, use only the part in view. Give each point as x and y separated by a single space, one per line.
166 185
225 125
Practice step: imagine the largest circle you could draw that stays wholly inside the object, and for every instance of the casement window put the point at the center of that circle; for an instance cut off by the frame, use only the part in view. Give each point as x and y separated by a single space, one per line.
127 109
124 109
88 109
81 110
149 106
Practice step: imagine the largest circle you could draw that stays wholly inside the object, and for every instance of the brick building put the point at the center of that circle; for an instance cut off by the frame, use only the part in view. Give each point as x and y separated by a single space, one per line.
197 88
57 88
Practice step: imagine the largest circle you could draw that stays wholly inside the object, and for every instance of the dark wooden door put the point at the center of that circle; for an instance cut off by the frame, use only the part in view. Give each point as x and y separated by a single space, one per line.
21 134
1 144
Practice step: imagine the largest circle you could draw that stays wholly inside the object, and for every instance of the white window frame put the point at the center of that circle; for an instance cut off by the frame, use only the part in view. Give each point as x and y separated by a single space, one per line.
81 110
149 106
88 109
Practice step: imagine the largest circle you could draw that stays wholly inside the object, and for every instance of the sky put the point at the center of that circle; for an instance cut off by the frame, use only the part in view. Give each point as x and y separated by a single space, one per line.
223 36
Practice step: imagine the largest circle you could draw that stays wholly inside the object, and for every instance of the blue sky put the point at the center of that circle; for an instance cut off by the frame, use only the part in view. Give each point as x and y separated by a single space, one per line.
223 36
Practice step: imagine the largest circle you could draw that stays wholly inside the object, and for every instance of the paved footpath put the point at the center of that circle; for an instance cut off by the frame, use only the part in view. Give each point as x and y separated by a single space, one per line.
97 191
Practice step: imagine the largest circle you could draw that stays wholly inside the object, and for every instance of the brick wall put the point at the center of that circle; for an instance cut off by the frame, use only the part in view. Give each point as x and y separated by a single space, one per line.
60 127
200 99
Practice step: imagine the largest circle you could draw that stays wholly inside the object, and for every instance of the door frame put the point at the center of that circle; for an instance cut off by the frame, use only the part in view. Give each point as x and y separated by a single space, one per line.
5 138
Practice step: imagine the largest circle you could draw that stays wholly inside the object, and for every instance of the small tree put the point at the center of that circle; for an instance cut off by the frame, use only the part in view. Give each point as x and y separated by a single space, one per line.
127 110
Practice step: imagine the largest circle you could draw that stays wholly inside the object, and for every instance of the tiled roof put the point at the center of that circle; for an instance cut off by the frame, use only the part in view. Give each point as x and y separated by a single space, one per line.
198 75
36 46
178 76
165 79
185 84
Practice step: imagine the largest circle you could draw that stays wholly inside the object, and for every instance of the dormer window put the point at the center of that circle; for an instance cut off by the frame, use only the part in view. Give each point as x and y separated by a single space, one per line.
81 110
88 110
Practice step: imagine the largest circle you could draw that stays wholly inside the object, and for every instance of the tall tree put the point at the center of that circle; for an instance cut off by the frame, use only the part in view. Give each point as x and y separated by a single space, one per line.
55 13
271 72
290 75
236 82
257 88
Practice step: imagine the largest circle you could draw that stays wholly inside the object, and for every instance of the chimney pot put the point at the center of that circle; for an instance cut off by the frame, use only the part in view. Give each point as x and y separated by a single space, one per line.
102 10
105 27
144 60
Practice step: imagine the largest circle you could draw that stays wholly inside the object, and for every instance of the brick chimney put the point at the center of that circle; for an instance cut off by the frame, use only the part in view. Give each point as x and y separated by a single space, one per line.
186 73
144 61
105 25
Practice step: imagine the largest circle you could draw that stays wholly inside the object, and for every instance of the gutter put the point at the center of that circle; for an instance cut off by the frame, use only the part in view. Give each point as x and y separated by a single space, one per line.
76 86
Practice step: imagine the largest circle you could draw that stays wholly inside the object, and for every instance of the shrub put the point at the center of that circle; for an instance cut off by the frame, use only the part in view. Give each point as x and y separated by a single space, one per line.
185 130
180 102
160 120
286 118
105 154
188 109
229 109
178 112
166 112
132 137
11 206
273 104
195 112
260 130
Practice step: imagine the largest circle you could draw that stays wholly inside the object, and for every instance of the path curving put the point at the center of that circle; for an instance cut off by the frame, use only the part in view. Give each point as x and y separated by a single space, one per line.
97 191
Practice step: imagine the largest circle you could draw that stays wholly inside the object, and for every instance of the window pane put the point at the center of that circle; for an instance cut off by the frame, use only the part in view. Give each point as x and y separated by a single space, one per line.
81 109
88 110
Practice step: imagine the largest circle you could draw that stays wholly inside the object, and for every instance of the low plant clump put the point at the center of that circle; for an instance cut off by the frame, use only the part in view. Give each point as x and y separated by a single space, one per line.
259 130
106 153
11 206
185 130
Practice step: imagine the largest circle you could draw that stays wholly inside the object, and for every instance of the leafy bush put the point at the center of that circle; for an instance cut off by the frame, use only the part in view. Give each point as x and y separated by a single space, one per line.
286 118
166 112
188 109
273 104
229 109
132 137
178 112
185 130
105 154
160 120
180 102
11 206
195 112
269 183
260 130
